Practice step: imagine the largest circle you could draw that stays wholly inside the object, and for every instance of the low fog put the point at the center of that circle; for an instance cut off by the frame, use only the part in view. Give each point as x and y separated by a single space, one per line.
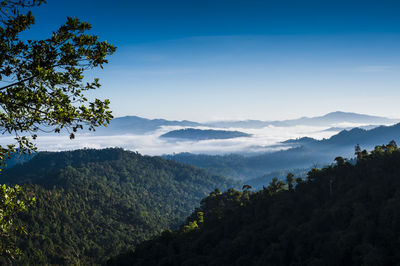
262 140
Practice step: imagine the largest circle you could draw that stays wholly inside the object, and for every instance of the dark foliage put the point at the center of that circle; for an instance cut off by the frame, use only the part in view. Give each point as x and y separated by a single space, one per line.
204 134
345 214
259 182
93 204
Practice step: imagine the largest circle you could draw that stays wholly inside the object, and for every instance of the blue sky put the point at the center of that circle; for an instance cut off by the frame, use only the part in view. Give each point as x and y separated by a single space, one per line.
234 59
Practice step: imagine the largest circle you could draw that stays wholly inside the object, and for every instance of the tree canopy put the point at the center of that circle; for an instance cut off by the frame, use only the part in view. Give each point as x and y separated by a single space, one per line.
42 89
97 203
42 81
344 214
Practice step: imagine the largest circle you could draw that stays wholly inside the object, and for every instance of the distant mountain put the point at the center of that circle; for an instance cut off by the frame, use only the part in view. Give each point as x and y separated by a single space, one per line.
300 141
139 125
329 119
203 134
341 117
96 203
336 129
304 153
366 138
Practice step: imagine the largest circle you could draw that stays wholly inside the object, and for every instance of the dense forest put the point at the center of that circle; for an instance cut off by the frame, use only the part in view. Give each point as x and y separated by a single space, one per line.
344 214
93 204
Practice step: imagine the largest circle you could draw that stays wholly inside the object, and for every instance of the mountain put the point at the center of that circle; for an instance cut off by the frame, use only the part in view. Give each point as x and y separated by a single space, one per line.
139 125
341 215
302 153
300 141
93 204
365 138
203 134
329 119
341 117
336 129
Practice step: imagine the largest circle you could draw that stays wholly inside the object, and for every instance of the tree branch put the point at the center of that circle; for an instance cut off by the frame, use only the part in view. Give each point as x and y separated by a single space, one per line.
16 83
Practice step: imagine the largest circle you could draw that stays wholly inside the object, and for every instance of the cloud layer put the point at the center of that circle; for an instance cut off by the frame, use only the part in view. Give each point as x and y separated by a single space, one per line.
262 140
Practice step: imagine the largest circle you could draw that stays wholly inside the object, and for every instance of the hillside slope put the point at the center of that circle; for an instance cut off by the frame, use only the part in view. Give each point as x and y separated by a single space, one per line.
341 215
92 204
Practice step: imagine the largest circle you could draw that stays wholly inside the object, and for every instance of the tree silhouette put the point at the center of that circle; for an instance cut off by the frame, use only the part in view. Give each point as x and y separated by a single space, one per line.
290 181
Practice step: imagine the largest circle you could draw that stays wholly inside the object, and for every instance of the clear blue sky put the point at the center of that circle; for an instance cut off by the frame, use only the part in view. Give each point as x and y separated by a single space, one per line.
230 59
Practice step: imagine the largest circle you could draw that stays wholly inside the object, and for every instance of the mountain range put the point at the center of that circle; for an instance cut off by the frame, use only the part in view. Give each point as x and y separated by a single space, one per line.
325 120
139 125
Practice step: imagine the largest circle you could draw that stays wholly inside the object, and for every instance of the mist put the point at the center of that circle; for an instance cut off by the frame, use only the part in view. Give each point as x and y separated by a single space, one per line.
262 140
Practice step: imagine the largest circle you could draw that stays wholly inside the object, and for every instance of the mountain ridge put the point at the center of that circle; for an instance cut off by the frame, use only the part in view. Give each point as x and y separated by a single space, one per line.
329 118
140 125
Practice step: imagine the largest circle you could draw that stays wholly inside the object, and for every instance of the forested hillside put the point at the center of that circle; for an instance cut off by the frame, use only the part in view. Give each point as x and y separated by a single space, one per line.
345 214
93 204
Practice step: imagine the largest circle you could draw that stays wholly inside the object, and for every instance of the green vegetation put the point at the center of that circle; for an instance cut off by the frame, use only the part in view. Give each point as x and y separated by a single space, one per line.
42 88
13 202
203 134
344 214
93 204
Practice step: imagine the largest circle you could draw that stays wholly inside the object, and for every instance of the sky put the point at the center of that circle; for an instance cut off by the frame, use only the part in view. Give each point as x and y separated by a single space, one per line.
208 60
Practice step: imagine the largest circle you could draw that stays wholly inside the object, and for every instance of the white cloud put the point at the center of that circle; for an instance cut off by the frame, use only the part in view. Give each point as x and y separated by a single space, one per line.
264 139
